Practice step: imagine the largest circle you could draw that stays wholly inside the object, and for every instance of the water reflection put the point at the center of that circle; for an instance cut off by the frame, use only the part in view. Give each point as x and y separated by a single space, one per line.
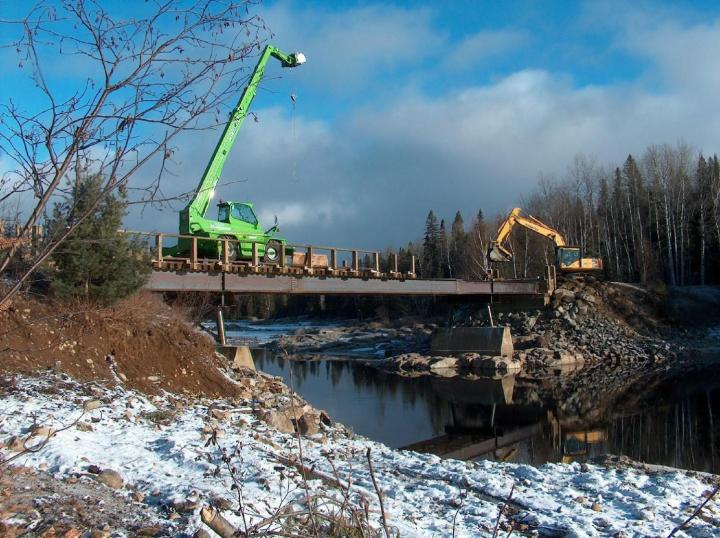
674 423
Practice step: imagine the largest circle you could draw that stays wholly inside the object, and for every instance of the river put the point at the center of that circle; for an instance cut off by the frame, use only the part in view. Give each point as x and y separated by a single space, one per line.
499 418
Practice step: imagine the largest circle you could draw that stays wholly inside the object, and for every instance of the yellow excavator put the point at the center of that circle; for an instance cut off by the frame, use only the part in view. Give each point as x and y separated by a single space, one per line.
568 258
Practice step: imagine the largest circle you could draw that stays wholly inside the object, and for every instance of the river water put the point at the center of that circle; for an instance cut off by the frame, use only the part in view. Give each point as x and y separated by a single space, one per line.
499 418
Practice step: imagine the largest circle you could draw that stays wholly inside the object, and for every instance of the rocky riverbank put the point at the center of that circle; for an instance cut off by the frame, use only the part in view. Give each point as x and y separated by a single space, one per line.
586 323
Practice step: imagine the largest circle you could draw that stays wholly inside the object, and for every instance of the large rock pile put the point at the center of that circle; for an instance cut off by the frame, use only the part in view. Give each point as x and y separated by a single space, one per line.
274 403
587 322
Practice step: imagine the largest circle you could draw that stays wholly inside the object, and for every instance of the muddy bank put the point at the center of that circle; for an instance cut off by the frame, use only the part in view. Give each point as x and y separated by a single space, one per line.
140 343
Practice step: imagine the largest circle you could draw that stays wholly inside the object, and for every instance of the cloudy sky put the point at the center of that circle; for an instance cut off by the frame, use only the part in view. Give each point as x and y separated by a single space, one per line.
404 107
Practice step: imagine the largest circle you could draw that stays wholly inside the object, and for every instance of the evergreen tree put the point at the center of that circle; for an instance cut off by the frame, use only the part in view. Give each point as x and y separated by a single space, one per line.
96 262
444 249
458 244
431 247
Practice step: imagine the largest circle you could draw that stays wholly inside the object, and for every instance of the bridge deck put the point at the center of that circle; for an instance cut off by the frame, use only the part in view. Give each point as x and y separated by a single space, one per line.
271 283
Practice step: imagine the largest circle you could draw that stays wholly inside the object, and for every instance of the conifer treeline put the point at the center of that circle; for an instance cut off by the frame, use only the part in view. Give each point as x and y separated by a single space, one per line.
656 218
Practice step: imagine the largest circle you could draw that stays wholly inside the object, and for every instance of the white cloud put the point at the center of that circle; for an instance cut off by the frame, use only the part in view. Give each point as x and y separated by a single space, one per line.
295 214
685 55
347 49
476 48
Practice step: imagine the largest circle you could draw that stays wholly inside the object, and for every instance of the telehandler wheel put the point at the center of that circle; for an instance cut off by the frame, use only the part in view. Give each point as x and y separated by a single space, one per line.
232 248
273 251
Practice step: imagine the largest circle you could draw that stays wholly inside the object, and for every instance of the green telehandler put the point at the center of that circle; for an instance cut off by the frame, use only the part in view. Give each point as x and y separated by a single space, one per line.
236 220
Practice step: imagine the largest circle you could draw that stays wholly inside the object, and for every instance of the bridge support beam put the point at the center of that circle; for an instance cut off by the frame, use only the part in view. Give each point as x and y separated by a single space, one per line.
189 281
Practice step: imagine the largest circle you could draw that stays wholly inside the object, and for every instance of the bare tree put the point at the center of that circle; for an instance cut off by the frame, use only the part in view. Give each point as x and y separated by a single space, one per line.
129 87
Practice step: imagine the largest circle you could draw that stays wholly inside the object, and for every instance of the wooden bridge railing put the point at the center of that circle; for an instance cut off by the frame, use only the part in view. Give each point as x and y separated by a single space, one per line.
340 261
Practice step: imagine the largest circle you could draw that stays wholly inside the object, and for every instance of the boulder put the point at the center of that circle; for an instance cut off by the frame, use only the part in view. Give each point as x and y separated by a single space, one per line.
277 419
219 414
564 295
91 405
587 297
309 423
444 363
111 479
41 431
15 444
494 364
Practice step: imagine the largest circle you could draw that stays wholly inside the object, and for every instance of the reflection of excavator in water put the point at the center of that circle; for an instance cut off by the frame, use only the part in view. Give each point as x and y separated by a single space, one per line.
568 258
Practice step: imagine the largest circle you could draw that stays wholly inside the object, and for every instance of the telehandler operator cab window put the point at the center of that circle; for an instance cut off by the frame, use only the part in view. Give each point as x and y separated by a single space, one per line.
244 213
224 213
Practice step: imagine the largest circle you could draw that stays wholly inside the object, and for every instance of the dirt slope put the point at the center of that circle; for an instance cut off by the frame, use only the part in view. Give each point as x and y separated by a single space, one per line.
141 343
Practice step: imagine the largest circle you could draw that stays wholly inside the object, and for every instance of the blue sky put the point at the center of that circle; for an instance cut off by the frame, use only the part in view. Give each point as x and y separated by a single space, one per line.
407 106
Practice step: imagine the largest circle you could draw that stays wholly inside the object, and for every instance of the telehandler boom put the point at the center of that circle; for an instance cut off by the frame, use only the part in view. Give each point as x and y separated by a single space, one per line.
236 220
568 258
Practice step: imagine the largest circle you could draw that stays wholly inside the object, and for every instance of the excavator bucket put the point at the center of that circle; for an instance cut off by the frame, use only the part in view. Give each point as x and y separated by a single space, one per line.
497 253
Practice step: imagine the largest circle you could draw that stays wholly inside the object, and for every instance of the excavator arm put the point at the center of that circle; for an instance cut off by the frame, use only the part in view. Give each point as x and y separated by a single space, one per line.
198 206
498 253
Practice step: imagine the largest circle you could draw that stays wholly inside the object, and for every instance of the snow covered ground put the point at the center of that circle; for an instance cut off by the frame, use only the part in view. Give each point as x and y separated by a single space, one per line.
424 495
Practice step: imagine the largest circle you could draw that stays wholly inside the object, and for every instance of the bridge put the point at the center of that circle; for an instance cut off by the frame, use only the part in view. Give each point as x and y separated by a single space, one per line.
315 270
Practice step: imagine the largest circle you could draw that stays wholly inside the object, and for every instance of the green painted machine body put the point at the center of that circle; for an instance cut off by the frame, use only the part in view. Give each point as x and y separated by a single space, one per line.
235 220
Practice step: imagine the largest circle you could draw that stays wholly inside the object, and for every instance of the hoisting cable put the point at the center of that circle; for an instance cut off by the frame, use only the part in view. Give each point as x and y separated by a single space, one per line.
293 98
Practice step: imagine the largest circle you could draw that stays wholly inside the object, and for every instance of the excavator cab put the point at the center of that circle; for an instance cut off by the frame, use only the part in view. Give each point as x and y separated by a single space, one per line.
570 260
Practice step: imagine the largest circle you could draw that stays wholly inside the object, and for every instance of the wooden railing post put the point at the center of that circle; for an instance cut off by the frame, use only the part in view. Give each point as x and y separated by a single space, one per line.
159 247
226 254
255 258
355 262
194 253
333 260
376 263
394 265
411 272
2 227
283 255
308 260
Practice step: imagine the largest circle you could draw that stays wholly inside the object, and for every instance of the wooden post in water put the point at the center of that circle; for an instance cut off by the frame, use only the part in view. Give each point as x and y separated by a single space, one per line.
220 325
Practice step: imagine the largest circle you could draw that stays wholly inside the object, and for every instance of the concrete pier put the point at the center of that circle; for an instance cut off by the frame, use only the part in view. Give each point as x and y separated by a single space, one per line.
239 356
493 341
